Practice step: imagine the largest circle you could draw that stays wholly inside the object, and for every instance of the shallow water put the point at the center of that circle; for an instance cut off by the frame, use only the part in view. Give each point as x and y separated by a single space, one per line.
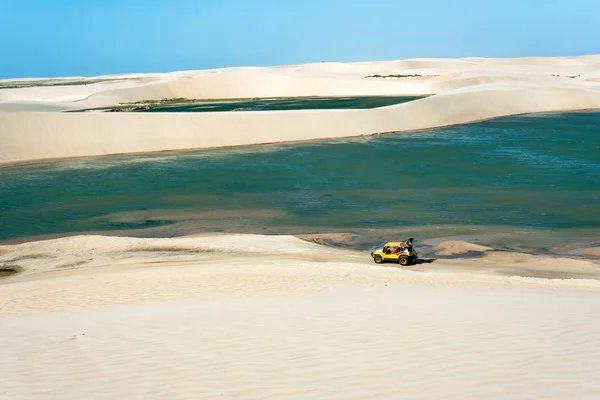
526 182
292 103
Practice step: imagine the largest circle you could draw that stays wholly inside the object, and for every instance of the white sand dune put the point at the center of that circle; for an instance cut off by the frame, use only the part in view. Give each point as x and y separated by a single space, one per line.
256 327
271 317
463 90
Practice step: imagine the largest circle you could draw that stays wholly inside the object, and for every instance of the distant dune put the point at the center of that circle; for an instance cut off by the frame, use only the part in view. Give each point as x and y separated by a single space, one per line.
463 90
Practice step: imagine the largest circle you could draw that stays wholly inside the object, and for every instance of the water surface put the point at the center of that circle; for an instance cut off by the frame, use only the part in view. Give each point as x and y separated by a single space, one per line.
528 182
264 104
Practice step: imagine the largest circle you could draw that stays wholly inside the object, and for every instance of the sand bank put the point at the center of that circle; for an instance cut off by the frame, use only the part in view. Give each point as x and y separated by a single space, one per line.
463 90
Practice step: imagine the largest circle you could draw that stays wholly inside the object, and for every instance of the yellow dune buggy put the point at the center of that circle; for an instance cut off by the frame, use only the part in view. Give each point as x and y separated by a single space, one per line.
395 252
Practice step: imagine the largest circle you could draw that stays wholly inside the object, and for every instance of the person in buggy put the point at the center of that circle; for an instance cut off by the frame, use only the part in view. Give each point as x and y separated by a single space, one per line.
408 246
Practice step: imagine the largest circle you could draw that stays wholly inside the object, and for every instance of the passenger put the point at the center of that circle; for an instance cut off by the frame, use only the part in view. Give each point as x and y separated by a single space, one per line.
408 246
394 250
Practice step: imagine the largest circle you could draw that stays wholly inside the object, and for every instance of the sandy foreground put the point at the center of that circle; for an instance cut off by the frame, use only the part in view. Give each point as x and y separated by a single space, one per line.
272 317
32 126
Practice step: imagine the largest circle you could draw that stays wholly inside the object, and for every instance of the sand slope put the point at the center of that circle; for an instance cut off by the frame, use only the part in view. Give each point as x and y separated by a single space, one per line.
464 90
294 328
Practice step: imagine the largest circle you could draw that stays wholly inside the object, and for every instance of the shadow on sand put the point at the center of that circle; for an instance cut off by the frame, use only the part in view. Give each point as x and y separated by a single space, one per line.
8 270
425 260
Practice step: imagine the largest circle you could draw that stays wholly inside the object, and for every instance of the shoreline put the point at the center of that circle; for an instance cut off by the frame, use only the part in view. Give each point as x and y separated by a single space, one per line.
337 239
57 256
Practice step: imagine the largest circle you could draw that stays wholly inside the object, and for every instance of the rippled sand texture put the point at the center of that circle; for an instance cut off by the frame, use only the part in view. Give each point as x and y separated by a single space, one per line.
272 329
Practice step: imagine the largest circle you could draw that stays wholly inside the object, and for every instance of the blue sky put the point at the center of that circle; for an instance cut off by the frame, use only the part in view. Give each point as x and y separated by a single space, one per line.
42 38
